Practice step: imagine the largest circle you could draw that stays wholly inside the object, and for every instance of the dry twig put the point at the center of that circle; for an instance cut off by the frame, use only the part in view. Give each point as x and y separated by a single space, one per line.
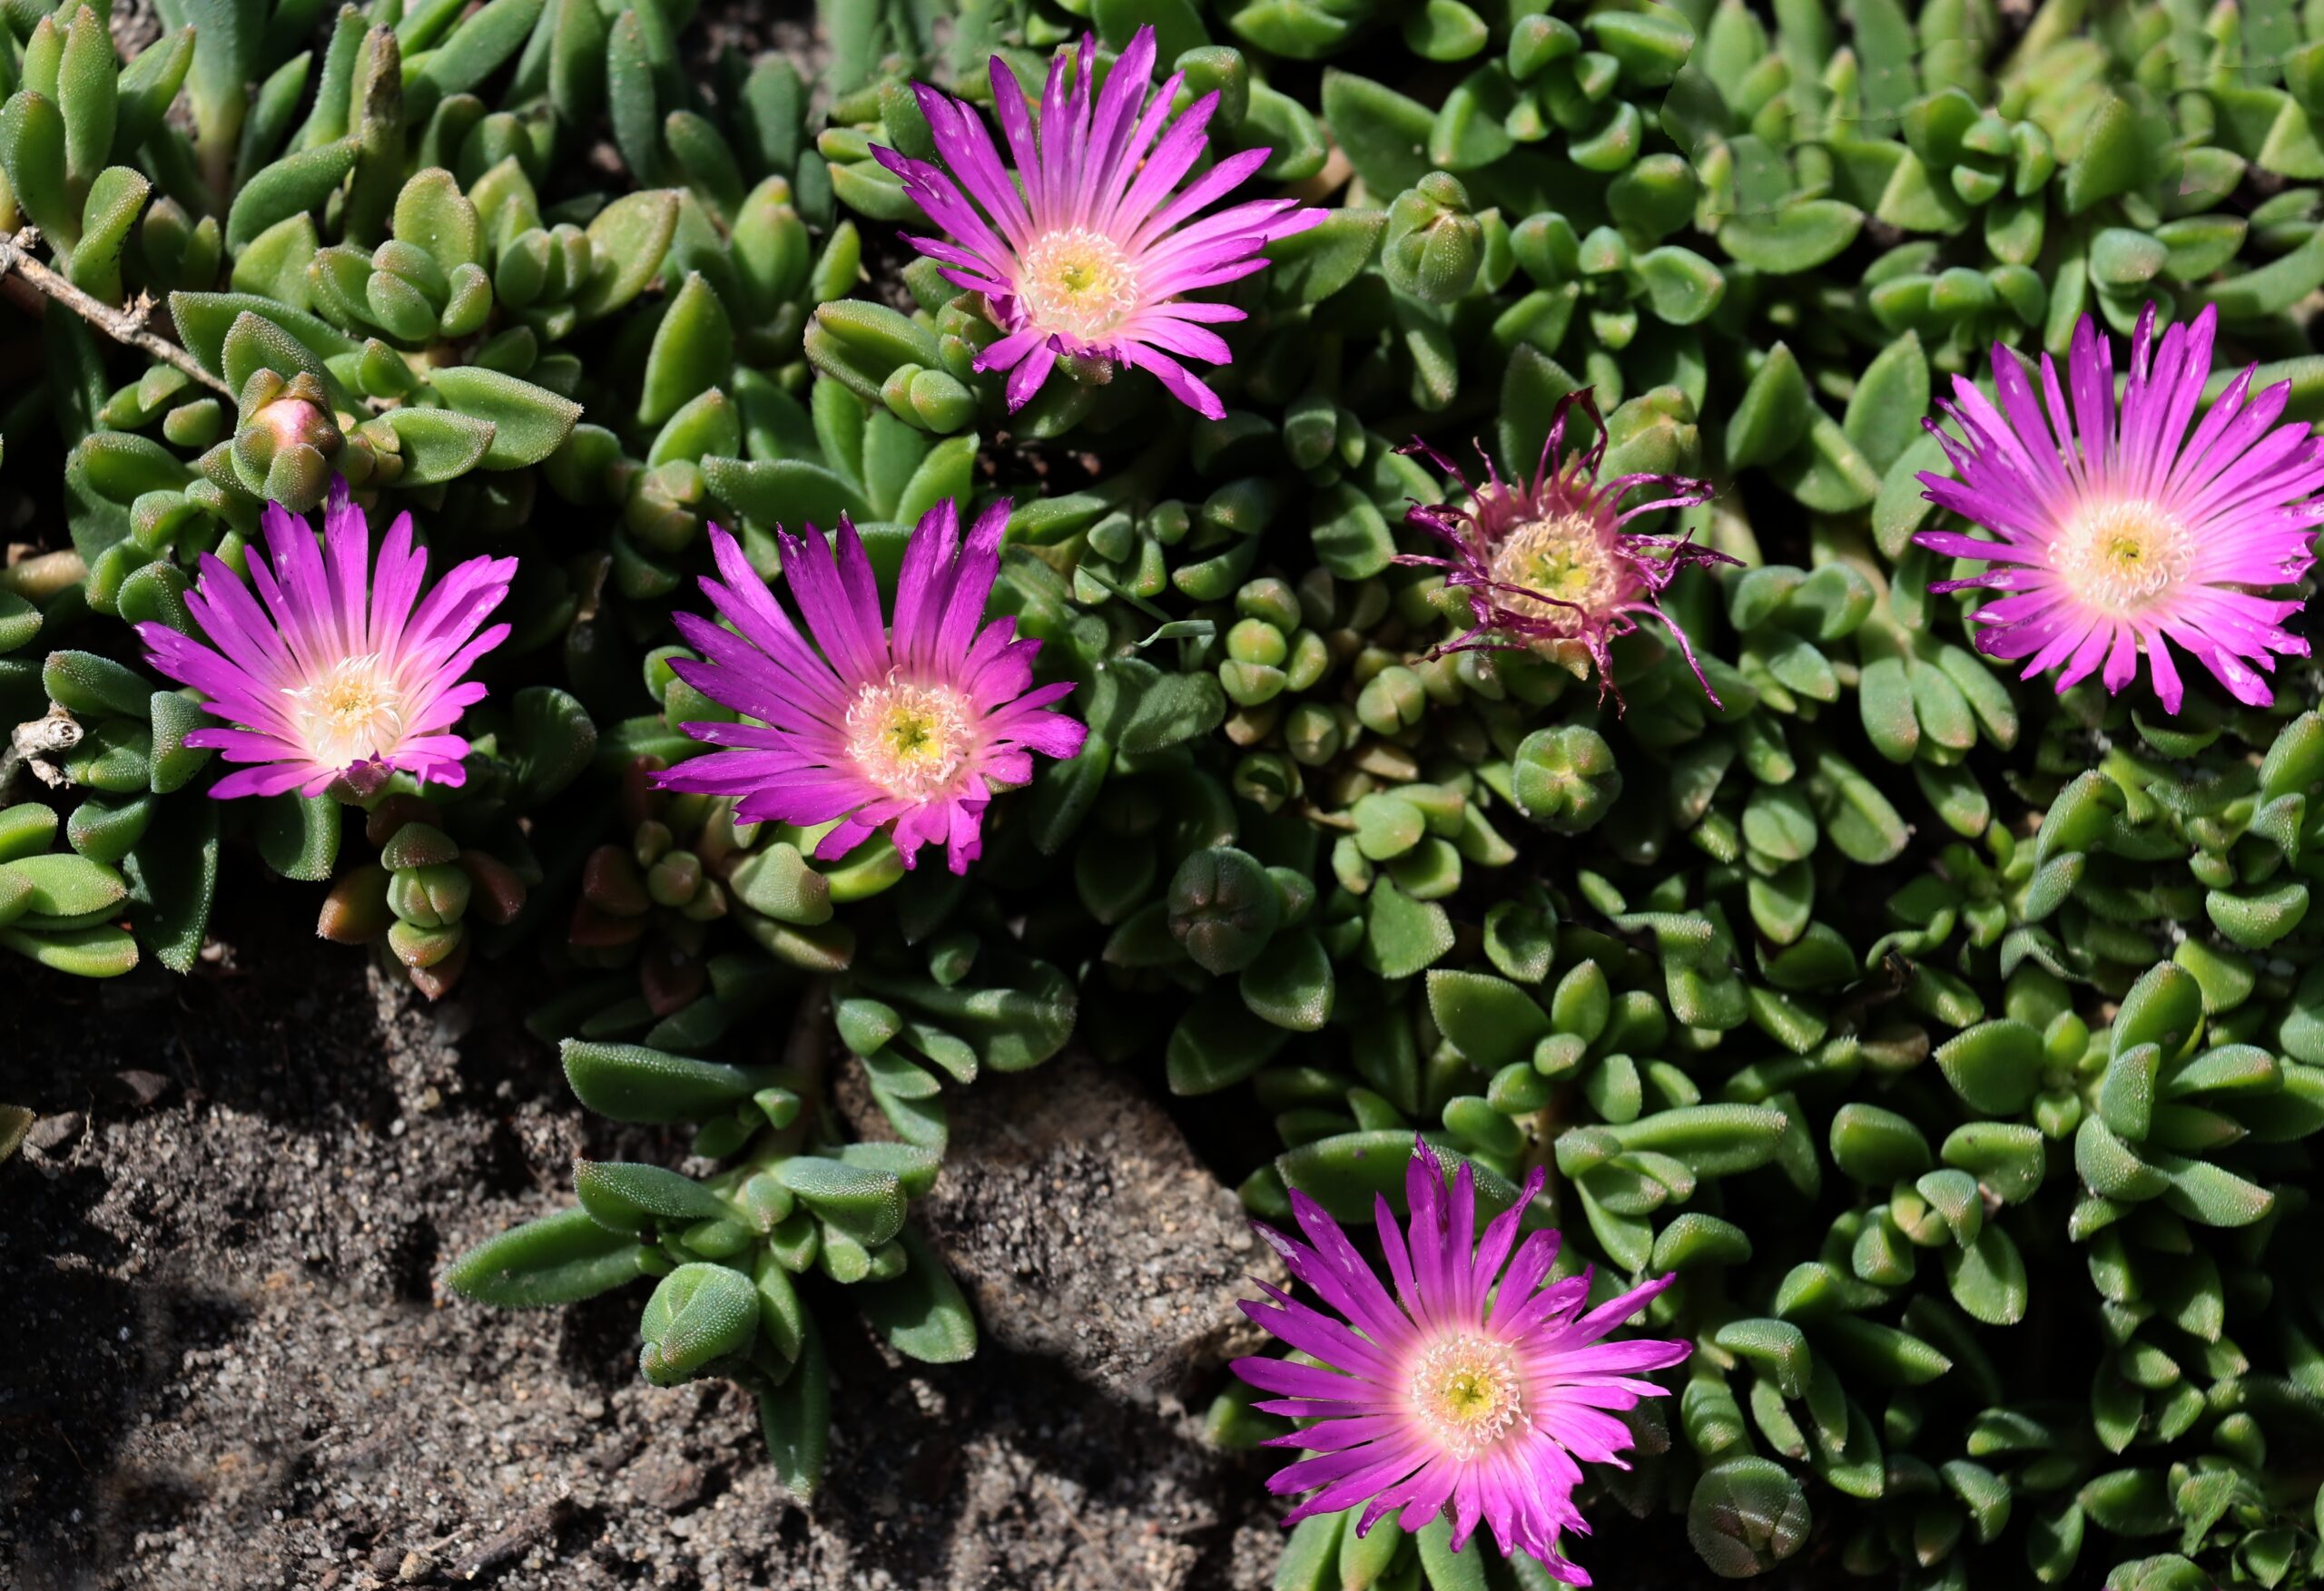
125 326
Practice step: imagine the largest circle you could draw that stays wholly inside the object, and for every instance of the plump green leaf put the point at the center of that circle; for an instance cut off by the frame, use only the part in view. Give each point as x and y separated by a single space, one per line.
630 1197
440 445
631 1083
627 240
1217 1043
1490 1020
865 1204
796 1419
1745 1516
922 1314
1799 237
558 1259
1996 1066
1309 266
1382 133
784 492
529 423
1876 1145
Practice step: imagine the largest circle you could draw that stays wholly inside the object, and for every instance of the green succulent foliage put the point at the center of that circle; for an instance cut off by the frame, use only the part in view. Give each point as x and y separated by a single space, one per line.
1957 1045
1349 879
16 1120
729 1252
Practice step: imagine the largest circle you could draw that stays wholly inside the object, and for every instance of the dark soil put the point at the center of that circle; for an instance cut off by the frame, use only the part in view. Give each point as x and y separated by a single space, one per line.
223 1361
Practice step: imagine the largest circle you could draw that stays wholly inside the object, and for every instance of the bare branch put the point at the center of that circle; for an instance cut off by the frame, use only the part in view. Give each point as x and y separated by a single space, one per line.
123 326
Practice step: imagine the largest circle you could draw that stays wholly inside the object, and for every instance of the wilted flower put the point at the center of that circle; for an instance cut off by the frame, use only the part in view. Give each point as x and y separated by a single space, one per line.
1450 1395
335 670
909 732
1091 259
2120 532
1547 564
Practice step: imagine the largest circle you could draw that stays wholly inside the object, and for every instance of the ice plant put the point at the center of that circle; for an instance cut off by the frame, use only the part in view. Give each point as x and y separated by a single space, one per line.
1450 1395
1546 562
2121 531
855 725
1092 259
337 669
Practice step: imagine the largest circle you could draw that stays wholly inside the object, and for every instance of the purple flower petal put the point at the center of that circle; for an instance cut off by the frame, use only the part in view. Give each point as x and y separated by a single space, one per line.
337 664
1094 256
1429 1405
904 731
2120 526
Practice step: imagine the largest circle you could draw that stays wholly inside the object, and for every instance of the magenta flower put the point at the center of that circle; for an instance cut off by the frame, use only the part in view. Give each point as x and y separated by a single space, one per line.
334 671
1547 564
1092 257
909 732
1450 1395
2120 532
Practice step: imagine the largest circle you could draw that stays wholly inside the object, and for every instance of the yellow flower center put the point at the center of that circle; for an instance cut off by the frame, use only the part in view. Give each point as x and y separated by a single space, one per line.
2120 557
351 714
1564 558
1078 282
909 739
1468 1392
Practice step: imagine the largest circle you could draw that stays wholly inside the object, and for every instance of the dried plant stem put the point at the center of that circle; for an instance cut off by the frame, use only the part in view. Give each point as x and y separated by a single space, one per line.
125 326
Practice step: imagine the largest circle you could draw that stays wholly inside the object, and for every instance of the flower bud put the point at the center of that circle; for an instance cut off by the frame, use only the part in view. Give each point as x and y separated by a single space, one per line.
296 477
1565 778
1266 780
1223 908
297 412
286 440
1256 641
699 1315
1311 734
1434 247
673 879
1391 700
431 896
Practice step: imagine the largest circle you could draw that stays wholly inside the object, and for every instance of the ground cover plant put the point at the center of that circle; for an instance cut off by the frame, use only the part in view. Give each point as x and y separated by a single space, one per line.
1376 563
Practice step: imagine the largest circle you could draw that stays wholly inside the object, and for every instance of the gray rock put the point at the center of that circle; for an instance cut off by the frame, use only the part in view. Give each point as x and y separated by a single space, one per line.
52 1134
141 1086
